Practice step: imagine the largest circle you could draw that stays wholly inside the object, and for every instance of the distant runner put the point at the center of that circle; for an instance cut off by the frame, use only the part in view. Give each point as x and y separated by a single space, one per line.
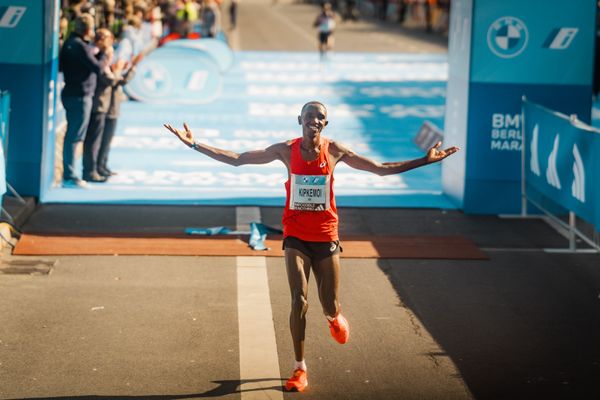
310 219
325 23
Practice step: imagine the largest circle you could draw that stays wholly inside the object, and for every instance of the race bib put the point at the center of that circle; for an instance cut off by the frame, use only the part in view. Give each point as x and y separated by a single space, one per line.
309 192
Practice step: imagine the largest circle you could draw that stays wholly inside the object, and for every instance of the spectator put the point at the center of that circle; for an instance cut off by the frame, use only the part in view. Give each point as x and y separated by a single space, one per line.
233 10
106 79
110 125
106 15
80 68
187 15
211 19
154 17
349 11
132 41
382 9
428 5
444 17
63 29
402 6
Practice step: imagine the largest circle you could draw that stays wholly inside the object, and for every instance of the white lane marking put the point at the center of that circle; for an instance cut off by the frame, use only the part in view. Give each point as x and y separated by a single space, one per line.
259 364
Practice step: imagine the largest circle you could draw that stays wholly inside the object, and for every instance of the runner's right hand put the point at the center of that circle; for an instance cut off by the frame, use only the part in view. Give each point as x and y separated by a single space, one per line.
185 136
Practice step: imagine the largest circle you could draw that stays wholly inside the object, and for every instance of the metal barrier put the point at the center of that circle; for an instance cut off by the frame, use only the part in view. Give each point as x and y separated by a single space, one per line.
561 170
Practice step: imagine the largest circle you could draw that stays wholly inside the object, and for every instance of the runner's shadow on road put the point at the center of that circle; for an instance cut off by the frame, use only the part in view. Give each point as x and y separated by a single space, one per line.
224 388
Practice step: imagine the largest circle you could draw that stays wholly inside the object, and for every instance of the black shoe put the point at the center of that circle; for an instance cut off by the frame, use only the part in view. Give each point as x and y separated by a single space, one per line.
95 177
106 172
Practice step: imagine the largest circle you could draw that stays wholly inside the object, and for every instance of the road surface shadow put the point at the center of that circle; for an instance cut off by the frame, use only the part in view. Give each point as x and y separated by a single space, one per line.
523 325
225 387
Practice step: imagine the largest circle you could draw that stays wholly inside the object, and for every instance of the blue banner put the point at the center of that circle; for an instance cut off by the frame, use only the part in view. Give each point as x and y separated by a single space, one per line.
517 41
176 75
28 68
562 160
21 25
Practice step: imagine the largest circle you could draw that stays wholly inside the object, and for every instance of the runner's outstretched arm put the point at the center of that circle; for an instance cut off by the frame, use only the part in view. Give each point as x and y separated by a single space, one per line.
264 156
434 154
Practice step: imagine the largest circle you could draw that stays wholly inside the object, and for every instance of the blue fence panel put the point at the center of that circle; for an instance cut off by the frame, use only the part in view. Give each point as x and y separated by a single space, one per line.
562 160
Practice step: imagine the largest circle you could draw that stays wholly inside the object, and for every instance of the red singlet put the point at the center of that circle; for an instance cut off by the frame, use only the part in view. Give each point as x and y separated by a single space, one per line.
310 213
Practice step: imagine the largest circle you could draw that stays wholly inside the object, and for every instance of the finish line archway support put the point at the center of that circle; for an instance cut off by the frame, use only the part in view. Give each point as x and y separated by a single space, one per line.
498 53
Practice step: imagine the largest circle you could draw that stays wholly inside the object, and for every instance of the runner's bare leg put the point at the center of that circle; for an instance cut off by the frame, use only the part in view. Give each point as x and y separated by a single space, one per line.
327 275
298 271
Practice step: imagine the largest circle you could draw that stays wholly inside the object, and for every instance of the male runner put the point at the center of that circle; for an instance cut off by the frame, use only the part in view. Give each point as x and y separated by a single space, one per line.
310 220
325 23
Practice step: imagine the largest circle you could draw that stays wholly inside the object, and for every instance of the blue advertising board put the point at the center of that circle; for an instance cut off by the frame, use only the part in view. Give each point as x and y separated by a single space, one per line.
515 48
177 74
529 41
21 26
562 160
28 68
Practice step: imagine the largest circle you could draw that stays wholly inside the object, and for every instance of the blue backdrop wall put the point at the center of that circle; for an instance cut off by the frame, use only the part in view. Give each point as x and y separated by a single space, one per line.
28 69
498 52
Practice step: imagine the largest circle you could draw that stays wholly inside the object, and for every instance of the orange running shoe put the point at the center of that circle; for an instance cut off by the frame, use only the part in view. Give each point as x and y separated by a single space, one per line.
340 329
298 382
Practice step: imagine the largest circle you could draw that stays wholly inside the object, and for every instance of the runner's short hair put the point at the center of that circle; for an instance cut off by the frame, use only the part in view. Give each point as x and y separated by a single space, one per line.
312 103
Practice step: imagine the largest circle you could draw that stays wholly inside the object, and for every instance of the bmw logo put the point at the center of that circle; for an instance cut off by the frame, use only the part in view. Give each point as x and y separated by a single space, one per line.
155 79
507 37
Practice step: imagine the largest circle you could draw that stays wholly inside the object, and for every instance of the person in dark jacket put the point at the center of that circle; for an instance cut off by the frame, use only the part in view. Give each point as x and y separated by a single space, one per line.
80 68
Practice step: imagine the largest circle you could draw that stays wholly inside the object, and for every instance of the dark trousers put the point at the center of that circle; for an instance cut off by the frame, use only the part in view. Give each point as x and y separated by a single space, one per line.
233 14
78 111
110 125
91 144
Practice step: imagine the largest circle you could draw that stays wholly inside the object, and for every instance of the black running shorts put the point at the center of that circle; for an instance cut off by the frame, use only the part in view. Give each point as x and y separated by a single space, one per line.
314 250
324 37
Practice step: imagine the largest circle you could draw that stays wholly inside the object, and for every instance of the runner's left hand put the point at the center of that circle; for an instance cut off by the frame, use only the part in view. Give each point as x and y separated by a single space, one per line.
435 155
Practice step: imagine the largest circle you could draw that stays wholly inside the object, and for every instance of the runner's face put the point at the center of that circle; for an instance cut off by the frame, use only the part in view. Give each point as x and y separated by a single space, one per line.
313 120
